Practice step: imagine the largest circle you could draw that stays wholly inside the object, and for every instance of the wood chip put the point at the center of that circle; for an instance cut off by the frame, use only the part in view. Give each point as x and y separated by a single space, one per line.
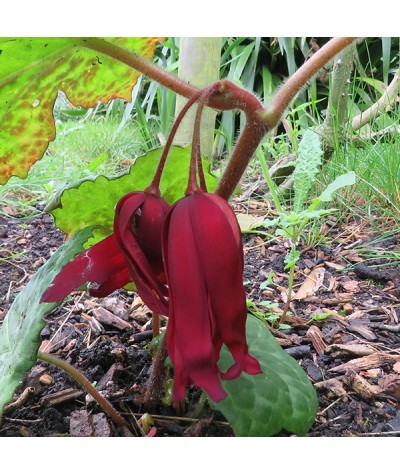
362 327
349 350
61 396
333 265
112 373
334 389
315 335
366 362
105 317
46 379
116 306
80 424
396 367
351 286
360 385
101 426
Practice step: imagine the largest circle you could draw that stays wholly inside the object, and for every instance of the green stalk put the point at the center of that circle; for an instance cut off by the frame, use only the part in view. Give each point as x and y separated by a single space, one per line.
83 381
289 295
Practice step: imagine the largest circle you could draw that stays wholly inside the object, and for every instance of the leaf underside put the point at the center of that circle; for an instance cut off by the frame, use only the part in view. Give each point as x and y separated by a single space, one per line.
33 70
281 398
20 331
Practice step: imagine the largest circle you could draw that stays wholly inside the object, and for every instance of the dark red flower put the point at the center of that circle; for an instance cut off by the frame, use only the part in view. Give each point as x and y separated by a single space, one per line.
132 253
203 258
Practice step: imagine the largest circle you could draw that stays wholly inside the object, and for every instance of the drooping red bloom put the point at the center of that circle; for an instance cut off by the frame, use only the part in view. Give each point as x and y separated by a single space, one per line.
203 258
132 253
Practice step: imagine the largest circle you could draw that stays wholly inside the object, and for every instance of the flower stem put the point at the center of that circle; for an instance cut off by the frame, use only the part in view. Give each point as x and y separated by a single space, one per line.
156 324
154 187
155 384
83 381
196 152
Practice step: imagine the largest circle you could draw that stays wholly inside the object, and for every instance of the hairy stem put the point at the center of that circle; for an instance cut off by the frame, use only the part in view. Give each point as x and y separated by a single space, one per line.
141 64
258 119
155 384
83 381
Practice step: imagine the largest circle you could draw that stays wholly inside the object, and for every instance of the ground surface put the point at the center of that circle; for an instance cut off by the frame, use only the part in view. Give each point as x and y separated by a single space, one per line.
352 355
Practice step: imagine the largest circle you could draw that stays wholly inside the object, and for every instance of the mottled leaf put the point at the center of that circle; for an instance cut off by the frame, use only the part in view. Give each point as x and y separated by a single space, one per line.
92 202
281 398
32 70
20 331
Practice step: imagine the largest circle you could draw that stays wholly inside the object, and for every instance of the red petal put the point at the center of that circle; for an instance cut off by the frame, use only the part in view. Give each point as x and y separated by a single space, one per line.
202 240
103 263
222 266
151 290
190 329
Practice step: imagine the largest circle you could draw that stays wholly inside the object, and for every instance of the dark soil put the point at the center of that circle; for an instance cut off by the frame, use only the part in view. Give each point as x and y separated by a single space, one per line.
361 306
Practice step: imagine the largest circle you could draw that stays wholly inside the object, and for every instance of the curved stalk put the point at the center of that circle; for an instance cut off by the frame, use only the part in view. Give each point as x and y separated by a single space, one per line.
258 119
87 385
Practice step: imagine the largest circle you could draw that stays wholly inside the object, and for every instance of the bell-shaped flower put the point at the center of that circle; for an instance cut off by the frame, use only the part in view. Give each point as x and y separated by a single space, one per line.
132 253
203 258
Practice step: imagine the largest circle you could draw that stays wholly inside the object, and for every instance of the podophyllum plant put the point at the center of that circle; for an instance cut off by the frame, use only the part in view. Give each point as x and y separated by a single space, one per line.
174 235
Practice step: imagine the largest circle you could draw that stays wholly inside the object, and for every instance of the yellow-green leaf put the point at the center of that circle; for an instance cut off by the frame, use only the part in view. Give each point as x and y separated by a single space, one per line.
32 70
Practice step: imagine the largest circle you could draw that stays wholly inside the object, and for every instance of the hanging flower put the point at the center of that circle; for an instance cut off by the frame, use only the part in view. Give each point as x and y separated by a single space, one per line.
132 253
203 258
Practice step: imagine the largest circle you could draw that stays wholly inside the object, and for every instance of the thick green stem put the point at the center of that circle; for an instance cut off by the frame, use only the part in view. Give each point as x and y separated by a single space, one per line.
83 381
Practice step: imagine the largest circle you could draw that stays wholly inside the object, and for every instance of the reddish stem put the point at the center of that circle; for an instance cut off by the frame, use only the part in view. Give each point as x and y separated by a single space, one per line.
193 186
154 187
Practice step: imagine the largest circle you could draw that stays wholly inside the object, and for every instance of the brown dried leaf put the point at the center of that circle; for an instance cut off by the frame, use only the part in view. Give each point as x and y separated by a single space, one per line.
351 286
311 285
390 384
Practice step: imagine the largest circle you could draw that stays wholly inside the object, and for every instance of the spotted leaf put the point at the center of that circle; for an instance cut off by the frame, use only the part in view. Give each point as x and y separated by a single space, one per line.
32 70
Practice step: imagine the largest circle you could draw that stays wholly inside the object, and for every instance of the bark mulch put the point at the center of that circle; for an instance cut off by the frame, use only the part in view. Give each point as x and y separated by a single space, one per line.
343 329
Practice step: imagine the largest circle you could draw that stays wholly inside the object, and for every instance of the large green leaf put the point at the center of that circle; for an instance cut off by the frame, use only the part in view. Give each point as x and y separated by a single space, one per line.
92 202
20 331
32 70
280 398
